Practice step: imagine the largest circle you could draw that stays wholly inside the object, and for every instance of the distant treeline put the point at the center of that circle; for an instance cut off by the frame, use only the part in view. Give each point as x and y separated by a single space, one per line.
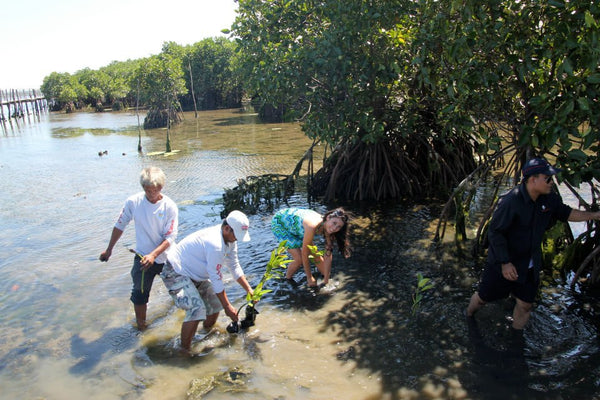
199 76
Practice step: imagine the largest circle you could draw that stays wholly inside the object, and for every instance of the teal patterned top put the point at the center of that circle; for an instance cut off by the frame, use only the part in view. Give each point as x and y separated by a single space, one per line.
287 225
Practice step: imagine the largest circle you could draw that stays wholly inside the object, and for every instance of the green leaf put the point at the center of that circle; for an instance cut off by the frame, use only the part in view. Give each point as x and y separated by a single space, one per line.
536 101
583 103
567 66
423 282
589 19
556 3
578 155
593 78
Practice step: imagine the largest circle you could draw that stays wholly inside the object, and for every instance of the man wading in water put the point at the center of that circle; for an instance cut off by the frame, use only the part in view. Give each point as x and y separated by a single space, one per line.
156 217
193 274
515 236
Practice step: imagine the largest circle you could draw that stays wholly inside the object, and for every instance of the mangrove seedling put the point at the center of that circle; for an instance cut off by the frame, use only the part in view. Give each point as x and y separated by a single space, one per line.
423 285
275 267
143 270
314 252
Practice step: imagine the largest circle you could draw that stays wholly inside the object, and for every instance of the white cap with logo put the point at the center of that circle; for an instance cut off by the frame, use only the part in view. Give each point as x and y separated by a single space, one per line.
238 221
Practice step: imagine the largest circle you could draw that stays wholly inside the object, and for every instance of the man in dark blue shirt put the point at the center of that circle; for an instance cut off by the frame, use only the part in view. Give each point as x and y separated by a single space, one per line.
515 236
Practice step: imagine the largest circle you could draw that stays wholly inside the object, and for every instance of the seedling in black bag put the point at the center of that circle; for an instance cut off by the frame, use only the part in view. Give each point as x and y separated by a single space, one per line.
275 267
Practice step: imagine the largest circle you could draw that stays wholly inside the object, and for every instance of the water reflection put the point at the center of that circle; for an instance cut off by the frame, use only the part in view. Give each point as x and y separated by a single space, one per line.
67 325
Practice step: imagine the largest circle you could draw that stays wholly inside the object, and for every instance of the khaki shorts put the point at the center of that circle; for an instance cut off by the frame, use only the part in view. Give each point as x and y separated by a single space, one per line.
198 299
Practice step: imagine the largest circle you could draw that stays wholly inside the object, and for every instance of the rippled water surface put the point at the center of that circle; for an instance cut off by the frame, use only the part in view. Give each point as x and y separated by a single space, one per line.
66 323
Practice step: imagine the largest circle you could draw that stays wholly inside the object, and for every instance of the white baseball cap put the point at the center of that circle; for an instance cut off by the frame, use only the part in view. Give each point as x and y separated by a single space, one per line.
238 221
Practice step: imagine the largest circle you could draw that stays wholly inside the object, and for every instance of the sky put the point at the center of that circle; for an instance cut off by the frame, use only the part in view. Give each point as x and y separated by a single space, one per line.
38 37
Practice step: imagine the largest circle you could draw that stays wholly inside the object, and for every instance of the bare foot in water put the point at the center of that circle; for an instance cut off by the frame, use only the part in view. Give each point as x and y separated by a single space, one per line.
185 353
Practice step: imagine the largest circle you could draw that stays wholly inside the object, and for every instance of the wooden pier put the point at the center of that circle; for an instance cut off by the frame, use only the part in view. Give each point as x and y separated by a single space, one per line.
21 104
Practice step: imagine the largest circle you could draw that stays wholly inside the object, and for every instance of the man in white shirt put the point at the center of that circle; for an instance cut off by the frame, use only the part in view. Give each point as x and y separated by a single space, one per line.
156 217
193 273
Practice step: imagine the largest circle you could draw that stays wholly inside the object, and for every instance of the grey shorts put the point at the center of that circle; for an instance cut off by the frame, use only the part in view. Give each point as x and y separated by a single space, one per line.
198 299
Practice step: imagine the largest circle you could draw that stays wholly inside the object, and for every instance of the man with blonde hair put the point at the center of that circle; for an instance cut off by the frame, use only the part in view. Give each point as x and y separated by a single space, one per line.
156 218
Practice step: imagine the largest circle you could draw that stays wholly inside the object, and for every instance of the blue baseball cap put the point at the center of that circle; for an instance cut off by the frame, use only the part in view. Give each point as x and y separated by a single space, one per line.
539 166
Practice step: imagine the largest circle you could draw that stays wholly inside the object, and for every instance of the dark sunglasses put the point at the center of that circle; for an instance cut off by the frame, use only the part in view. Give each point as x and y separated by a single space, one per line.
549 179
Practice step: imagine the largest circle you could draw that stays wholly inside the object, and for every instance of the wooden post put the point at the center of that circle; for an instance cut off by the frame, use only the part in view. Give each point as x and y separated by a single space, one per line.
21 111
17 104
192 87
8 107
15 107
137 112
2 107
27 100
34 106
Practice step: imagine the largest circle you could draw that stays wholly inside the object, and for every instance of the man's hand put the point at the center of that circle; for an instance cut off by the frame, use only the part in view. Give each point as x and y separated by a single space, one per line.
147 261
105 255
509 272
231 312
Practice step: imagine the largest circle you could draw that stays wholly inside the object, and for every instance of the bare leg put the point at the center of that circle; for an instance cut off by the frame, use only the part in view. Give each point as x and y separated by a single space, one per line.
188 330
324 267
295 265
521 314
140 315
210 321
474 304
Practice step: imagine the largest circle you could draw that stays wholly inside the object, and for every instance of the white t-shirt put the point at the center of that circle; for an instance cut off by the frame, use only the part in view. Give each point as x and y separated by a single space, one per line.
153 222
203 254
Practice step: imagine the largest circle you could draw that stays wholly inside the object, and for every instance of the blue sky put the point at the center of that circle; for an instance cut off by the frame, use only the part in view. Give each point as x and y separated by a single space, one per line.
38 37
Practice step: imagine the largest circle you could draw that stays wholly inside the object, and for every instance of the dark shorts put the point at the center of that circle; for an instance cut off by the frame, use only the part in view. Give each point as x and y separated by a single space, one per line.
493 286
141 288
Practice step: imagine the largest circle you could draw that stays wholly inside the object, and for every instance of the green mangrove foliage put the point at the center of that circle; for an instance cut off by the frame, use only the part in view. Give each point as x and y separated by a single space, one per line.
527 73
427 98
314 252
277 263
161 82
345 70
209 68
275 269
212 77
423 285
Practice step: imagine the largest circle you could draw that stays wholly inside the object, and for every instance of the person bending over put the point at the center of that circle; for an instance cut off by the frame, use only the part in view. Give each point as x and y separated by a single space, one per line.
193 273
299 227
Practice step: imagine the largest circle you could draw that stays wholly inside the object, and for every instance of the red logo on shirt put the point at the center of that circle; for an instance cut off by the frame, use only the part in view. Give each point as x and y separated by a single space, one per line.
219 266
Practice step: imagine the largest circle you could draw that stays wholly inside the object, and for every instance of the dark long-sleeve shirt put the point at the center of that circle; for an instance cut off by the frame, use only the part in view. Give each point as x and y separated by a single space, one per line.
517 229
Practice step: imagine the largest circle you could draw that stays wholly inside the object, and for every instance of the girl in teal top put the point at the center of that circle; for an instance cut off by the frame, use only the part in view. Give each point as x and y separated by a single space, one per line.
299 226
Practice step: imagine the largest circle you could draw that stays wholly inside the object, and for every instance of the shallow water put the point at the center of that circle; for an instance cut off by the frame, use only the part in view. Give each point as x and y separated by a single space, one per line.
66 324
